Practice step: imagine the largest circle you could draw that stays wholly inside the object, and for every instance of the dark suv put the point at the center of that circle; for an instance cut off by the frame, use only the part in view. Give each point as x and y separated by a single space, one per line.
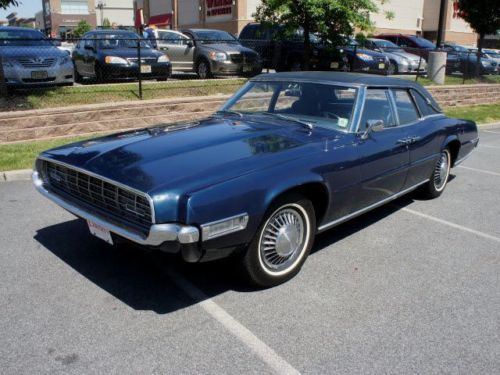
287 54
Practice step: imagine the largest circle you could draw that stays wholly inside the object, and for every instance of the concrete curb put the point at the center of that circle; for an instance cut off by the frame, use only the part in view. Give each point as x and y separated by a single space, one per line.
25 174
16 175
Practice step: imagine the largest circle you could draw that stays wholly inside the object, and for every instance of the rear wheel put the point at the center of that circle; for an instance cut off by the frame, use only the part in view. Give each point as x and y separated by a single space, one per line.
282 242
439 178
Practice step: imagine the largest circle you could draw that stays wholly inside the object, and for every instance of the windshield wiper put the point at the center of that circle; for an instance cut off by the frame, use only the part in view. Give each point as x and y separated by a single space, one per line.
305 124
225 112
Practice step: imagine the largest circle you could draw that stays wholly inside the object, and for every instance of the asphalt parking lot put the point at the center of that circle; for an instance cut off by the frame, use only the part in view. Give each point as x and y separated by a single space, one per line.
413 287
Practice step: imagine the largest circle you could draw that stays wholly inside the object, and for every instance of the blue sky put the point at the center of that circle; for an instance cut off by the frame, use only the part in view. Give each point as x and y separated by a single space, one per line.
26 8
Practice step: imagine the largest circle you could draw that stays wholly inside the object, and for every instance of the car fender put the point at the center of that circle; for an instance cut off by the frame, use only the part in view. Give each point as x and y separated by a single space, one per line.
250 194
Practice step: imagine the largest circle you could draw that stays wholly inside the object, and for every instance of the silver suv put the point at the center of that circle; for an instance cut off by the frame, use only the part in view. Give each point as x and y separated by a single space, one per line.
208 53
30 59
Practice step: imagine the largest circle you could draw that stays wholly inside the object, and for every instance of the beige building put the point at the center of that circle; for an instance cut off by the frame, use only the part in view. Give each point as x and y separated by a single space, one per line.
120 12
417 17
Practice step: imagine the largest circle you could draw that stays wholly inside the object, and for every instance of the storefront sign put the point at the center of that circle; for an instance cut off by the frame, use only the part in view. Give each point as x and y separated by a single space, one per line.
219 7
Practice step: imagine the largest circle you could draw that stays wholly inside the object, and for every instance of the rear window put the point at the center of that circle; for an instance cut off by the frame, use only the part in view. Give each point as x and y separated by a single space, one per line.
425 108
405 107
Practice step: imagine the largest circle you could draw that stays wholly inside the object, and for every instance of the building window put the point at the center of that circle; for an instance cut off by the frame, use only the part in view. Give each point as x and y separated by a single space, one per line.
74 7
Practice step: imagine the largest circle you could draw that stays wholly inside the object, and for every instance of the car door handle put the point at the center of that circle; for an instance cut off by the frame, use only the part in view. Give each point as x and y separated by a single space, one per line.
414 139
403 142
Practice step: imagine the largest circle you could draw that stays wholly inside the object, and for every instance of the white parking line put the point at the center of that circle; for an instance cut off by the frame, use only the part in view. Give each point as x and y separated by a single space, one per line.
488 146
491 131
268 355
480 170
450 224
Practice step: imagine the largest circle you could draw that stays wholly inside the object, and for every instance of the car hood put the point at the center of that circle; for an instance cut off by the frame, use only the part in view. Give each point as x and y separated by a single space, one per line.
31 51
185 157
404 55
129 52
228 47
365 51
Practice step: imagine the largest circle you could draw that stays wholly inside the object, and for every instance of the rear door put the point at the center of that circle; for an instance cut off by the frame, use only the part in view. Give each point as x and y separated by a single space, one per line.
419 118
384 155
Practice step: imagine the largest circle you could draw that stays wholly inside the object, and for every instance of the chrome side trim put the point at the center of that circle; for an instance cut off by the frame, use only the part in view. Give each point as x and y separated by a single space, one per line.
122 186
369 208
158 233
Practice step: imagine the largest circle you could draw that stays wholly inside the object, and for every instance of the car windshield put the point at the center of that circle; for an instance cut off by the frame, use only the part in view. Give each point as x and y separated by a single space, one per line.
493 54
310 104
215 36
23 38
386 44
121 40
423 43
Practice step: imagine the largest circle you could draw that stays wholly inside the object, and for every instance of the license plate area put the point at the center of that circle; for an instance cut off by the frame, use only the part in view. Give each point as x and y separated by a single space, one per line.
381 66
145 68
247 69
334 65
39 74
100 232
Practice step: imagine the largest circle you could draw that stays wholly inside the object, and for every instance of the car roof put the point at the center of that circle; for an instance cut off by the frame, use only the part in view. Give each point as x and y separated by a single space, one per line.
111 31
355 79
198 30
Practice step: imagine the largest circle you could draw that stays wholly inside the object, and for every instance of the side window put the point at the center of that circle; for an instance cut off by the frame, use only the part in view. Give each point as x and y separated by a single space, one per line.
377 107
405 107
248 32
425 108
89 41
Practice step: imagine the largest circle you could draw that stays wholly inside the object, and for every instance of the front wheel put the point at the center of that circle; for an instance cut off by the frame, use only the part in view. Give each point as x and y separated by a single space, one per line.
203 70
439 178
282 243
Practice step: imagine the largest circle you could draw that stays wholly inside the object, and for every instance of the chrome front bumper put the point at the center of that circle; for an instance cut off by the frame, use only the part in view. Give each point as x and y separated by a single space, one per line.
158 233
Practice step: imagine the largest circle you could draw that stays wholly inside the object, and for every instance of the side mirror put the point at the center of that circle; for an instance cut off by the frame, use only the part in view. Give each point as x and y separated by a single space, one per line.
190 44
373 126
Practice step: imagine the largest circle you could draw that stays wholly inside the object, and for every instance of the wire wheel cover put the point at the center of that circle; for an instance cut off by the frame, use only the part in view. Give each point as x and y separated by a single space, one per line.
283 239
441 170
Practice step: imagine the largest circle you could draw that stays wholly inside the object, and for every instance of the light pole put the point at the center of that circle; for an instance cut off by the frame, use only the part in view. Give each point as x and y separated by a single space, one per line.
442 11
100 6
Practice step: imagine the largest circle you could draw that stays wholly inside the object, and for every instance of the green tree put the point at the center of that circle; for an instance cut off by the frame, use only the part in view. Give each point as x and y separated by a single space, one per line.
483 18
106 24
332 20
6 3
82 28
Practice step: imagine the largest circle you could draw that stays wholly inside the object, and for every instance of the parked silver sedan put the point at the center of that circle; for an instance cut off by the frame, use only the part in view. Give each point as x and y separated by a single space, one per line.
30 59
400 60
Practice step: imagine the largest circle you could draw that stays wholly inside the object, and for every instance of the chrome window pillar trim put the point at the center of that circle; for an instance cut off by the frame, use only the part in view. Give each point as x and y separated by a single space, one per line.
368 208
120 185
158 233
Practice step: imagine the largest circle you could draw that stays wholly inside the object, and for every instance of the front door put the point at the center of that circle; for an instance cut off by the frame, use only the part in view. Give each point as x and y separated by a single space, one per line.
179 49
384 156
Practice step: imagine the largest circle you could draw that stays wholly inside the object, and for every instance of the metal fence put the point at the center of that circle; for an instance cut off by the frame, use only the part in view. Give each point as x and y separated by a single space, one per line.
30 65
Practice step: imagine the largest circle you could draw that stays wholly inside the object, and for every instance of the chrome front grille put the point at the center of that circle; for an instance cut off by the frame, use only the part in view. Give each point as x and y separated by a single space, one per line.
144 60
37 62
111 199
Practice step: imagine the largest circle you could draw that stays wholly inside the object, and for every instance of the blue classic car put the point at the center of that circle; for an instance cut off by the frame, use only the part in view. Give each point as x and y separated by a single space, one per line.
288 156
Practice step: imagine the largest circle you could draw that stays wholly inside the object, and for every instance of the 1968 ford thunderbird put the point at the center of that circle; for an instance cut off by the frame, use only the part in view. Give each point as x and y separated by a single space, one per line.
288 156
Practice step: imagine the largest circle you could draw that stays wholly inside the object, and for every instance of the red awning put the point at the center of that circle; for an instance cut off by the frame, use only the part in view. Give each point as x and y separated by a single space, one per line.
160 20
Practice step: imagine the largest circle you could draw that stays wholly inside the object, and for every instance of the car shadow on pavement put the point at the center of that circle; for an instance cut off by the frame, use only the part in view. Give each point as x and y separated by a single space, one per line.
140 278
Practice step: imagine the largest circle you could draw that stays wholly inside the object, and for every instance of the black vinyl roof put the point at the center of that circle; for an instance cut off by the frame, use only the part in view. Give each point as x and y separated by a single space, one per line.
358 79
349 79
